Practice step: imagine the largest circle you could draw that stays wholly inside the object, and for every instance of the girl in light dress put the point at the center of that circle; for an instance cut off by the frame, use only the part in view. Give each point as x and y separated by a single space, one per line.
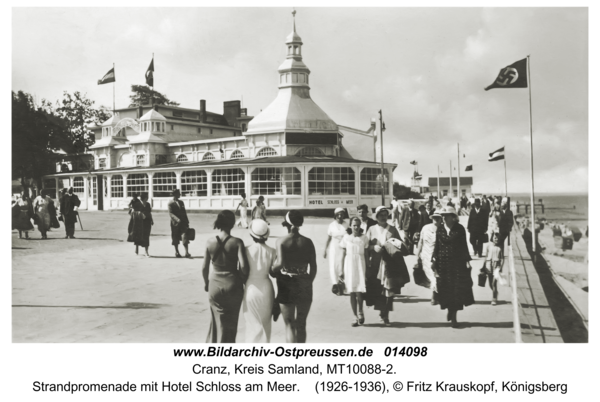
243 208
425 248
495 257
355 245
335 233
259 295
41 207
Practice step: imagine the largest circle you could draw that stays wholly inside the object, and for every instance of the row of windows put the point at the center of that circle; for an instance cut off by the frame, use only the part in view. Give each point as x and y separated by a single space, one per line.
265 181
295 78
153 126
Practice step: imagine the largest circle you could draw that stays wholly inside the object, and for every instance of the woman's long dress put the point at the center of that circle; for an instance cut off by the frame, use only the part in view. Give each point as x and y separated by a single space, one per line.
243 222
428 235
377 291
225 295
354 263
22 216
337 232
136 222
147 228
454 284
259 295
40 207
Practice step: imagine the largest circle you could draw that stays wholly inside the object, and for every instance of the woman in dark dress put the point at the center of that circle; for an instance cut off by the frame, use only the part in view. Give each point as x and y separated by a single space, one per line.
224 282
295 271
450 261
148 222
136 222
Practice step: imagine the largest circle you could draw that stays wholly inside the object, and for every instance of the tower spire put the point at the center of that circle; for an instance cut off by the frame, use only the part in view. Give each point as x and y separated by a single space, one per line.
294 18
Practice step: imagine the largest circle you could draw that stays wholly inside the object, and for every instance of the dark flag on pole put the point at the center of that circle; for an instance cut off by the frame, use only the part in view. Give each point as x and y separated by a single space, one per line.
108 77
513 76
413 162
150 74
497 155
469 168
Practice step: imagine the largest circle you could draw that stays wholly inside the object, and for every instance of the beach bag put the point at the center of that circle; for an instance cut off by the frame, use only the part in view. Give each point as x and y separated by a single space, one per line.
190 234
419 276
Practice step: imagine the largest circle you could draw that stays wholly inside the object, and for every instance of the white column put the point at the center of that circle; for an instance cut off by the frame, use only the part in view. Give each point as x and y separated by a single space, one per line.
108 194
358 191
209 186
248 181
178 179
150 185
124 185
86 186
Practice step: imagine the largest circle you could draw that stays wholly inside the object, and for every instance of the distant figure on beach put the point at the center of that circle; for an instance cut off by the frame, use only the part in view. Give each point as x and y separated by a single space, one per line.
243 208
69 205
295 271
477 227
148 223
136 222
506 222
485 204
355 253
224 282
259 295
260 210
22 213
409 221
335 233
451 262
179 224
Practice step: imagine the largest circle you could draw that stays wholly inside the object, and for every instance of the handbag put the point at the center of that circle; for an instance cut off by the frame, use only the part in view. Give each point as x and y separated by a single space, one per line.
130 237
419 276
276 311
190 234
339 288
482 277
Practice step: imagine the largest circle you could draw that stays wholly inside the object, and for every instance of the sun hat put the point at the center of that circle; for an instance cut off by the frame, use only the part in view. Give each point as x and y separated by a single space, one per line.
259 229
379 209
449 211
338 210
437 213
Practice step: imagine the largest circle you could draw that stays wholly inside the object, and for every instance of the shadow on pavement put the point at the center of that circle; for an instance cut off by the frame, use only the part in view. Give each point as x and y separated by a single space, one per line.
133 306
175 258
21 248
93 238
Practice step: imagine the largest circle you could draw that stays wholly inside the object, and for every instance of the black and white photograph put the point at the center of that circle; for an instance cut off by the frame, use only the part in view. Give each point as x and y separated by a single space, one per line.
299 175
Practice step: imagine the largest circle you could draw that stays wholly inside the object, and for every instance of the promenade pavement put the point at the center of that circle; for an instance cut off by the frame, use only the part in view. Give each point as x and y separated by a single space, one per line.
94 289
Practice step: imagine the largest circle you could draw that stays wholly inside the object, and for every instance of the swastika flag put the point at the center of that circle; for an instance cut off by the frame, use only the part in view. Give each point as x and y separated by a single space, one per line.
513 76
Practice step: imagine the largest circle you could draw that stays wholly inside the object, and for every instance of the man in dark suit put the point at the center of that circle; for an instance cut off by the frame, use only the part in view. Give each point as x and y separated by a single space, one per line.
179 224
477 226
409 220
506 222
69 204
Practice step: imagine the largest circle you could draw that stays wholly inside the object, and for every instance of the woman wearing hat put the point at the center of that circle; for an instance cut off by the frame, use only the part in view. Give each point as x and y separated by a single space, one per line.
224 282
259 295
451 262
295 270
179 224
335 234
425 248
380 290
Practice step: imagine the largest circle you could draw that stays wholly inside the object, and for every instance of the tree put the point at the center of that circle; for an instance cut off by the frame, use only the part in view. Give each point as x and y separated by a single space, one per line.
144 95
403 193
36 135
78 112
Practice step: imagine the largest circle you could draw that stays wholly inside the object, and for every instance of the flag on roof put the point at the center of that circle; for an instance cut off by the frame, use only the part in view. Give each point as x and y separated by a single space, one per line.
413 162
108 77
497 155
513 76
469 168
150 74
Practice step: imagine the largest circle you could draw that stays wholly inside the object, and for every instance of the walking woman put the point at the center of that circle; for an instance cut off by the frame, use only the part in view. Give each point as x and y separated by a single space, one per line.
136 223
22 214
295 271
425 248
179 224
224 282
260 211
259 295
148 223
243 208
384 278
41 207
355 251
335 233
451 262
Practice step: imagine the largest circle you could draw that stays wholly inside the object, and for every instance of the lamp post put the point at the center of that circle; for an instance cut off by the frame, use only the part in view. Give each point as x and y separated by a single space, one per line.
381 129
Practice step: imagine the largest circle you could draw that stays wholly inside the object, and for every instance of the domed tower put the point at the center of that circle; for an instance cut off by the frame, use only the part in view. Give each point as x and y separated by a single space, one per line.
293 112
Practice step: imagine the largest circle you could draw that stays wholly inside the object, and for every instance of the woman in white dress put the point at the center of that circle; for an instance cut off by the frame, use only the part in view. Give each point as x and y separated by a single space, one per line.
259 295
243 208
425 248
335 233
40 208
355 245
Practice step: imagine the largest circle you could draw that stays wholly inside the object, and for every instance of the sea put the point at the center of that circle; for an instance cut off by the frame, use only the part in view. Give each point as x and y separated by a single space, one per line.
559 208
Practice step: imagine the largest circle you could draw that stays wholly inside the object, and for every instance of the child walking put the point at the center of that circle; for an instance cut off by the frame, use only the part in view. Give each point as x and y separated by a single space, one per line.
355 249
495 257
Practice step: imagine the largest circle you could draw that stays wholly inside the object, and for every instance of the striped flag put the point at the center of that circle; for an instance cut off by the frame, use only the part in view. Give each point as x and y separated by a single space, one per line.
469 168
497 155
108 77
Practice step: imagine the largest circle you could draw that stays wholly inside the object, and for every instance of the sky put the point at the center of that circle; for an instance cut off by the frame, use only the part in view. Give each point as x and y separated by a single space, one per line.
425 68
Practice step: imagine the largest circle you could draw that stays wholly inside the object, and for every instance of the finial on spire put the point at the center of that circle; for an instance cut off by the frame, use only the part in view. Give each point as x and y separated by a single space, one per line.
294 17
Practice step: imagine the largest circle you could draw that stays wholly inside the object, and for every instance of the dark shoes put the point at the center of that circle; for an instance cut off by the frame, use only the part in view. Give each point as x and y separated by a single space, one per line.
188 255
177 255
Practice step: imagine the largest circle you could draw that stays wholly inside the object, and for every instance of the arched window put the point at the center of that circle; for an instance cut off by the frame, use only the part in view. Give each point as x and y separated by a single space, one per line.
267 151
228 182
163 183
237 154
208 157
137 184
309 151
194 184
116 186
182 158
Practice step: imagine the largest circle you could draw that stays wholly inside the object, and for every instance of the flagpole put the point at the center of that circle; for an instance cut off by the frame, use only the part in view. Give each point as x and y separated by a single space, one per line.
458 174
505 180
152 87
533 234
114 74
450 192
381 145
438 182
